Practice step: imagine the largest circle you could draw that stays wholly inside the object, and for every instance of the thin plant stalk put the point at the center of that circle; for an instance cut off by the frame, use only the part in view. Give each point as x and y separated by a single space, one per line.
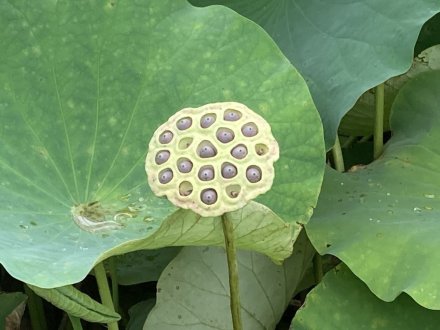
115 287
104 291
76 322
317 267
338 159
231 253
378 123
36 310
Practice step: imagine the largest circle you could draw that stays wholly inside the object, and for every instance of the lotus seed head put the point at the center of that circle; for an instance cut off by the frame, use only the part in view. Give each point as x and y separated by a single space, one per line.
229 171
239 151
225 135
206 173
185 165
162 156
209 196
207 120
166 137
232 115
253 174
165 176
249 129
212 159
184 123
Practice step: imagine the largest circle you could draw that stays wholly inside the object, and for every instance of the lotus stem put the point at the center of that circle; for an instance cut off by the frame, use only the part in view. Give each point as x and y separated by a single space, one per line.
338 159
36 310
76 322
317 267
115 286
378 123
104 292
231 253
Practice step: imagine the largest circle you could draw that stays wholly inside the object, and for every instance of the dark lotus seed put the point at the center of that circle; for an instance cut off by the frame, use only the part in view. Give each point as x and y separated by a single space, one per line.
225 135
249 129
206 173
239 152
206 150
229 171
184 123
166 137
253 174
185 166
165 176
162 156
209 196
232 115
207 120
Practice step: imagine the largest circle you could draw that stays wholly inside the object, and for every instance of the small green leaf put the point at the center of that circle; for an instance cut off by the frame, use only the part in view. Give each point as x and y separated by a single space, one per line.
77 304
342 301
382 219
12 307
138 314
193 290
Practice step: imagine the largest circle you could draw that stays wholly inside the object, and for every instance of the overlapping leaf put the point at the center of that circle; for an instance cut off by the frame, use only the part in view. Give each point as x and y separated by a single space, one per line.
341 48
193 291
382 220
82 87
342 301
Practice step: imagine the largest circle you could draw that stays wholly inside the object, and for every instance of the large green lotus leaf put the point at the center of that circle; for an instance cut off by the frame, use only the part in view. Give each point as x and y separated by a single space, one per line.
342 48
83 85
193 291
382 220
342 301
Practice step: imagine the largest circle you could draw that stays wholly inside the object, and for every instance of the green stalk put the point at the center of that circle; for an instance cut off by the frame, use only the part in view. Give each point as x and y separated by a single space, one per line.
36 310
115 287
317 267
338 159
378 123
349 142
76 322
231 253
104 291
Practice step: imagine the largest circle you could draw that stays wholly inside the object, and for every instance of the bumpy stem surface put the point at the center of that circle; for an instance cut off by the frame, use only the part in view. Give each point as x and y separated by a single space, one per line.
231 253
104 291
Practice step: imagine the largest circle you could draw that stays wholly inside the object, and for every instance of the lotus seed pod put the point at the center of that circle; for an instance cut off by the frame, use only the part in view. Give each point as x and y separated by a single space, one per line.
206 173
162 156
184 165
166 137
229 171
209 196
184 123
239 151
207 120
165 176
253 174
212 159
249 129
225 135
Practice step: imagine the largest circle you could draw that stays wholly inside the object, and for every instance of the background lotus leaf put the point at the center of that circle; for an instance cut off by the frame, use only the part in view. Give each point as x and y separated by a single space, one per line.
342 301
382 219
342 48
193 290
83 85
